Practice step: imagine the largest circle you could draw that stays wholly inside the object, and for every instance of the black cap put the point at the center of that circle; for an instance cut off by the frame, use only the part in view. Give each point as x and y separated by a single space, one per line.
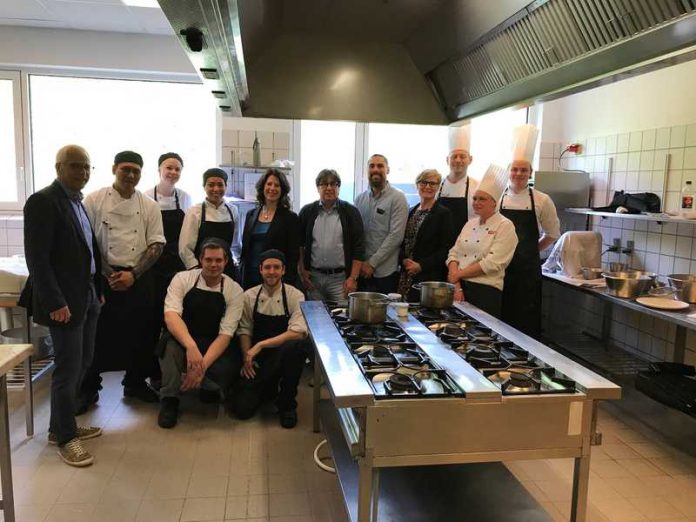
214 173
168 155
272 253
128 156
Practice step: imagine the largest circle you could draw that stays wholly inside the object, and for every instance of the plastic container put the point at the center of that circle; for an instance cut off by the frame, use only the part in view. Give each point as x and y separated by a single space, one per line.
401 309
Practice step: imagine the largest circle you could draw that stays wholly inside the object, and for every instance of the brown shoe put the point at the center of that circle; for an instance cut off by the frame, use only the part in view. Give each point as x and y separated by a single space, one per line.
83 433
74 454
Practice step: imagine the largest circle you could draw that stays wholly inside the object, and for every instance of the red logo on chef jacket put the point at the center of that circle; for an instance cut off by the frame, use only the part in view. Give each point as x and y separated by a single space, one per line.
491 232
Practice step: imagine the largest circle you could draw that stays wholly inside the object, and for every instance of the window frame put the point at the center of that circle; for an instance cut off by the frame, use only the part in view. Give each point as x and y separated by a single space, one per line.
15 77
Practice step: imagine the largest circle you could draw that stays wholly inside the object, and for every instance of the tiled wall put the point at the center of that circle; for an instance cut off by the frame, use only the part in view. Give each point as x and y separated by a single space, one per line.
638 166
11 235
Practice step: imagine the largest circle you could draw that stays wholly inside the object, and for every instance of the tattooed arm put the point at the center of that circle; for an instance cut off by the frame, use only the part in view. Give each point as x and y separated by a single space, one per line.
150 257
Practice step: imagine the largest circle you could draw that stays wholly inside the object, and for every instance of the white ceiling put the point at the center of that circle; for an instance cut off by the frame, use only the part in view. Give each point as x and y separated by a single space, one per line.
95 15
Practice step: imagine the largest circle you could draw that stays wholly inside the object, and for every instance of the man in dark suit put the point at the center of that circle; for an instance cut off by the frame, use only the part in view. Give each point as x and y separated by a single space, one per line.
63 291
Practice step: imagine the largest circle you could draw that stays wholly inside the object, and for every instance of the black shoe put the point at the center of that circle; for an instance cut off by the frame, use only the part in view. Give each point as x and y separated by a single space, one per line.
141 392
288 418
209 396
84 401
169 410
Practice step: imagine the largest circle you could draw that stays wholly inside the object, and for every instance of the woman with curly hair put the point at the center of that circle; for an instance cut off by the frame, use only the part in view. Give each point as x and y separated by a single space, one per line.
270 225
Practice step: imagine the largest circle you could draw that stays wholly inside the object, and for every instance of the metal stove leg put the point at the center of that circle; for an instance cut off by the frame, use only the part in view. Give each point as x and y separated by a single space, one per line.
367 497
7 503
316 393
28 397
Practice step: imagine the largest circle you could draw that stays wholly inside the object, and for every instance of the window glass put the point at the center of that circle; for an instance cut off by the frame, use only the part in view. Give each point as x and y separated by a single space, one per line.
8 150
107 116
326 145
410 149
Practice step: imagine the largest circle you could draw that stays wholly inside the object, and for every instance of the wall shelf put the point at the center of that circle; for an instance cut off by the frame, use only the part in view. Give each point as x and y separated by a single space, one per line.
658 218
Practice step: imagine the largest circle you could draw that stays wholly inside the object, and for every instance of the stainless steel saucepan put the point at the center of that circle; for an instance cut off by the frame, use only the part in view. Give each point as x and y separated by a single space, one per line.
367 307
685 284
435 294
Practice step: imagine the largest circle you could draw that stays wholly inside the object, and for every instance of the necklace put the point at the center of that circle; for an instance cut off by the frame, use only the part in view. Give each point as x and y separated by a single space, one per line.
265 213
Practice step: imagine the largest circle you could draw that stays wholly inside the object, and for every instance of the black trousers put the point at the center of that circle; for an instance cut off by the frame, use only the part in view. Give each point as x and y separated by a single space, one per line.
277 377
383 285
486 297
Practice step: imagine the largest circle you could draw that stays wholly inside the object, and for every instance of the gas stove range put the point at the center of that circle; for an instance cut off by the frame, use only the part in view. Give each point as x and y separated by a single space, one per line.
512 369
393 364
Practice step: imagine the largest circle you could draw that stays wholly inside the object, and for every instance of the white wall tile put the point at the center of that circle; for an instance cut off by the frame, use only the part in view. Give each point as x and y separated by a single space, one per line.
689 158
589 147
673 202
683 246
601 145
668 244
265 139
230 138
681 265
657 182
674 180
666 265
546 164
688 175
677 136
685 229
15 250
641 225
653 243
648 139
644 180
669 228
15 222
641 240
633 161
631 181
676 160
15 237
621 162
281 140
611 144
246 138
662 138
647 159
622 142
546 149
691 136
635 141
659 159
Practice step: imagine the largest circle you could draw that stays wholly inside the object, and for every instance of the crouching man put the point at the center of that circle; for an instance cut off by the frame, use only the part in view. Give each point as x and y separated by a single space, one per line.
272 337
202 310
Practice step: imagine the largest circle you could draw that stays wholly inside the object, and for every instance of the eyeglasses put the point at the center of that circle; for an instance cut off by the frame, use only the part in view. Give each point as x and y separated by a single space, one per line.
428 183
330 184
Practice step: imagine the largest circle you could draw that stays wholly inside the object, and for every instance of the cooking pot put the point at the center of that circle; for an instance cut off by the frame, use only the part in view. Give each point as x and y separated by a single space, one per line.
628 285
435 294
591 273
367 307
685 285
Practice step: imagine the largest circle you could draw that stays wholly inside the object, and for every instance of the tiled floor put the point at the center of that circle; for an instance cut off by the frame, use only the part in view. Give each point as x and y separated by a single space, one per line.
213 468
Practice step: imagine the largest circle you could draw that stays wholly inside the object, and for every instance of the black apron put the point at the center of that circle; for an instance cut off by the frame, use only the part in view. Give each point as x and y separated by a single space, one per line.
458 206
202 312
126 335
221 230
522 286
486 297
169 262
267 326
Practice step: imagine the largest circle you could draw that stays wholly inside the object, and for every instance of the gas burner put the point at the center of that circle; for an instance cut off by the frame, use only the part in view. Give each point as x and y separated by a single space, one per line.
429 314
401 382
365 333
523 381
404 382
389 356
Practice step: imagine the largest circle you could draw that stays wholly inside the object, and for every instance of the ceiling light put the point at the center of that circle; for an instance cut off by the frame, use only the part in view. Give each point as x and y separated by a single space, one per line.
210 74
142 3
219 94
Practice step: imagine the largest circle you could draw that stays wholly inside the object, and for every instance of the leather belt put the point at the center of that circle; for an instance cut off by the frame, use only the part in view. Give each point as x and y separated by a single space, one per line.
329 271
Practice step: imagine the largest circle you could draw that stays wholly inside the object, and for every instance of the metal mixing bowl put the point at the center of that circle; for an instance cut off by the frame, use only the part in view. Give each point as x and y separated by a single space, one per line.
628 285
591 273
685 285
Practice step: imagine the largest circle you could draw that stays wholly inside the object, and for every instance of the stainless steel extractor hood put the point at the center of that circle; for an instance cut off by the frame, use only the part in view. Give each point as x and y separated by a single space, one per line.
421 61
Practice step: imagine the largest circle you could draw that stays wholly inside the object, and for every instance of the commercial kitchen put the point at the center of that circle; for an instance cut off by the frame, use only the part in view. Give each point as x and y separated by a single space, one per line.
435 410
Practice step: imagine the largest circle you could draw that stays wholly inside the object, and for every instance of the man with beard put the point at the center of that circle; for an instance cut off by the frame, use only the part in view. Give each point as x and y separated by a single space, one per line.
384 212
128 227
457 189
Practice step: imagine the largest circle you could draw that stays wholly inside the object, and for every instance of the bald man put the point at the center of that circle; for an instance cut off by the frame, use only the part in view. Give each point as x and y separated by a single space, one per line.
63 292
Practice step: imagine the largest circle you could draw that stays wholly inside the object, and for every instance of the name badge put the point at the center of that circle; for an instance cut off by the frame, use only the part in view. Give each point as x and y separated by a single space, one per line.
380 211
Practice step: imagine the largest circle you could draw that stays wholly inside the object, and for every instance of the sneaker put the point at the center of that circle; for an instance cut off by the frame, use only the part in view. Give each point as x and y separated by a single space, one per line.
141 392
74 454
83 433
288 418
169 410
84 402
209 396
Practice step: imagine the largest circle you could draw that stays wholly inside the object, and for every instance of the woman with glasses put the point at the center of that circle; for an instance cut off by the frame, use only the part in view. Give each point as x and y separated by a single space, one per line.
477 261
429 235
271 225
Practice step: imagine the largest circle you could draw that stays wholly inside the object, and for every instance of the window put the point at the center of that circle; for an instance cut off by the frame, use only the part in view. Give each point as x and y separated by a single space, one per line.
107 116
491 139
410 149
326 145
11 156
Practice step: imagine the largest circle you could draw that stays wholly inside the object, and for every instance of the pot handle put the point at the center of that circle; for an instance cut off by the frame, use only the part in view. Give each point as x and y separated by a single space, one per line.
417 286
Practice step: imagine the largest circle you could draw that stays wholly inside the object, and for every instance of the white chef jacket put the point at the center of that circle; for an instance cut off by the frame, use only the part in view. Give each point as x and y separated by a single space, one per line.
547 217
124 227
272 306
458 190
491 244
192 222
231 291
169 202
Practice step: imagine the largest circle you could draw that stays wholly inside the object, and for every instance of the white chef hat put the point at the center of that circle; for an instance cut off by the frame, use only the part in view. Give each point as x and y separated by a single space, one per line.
494 181
524 138
460 137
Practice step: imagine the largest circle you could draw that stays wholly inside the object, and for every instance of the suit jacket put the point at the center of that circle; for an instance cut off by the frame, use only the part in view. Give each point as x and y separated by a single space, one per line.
283 234
433 241
57 256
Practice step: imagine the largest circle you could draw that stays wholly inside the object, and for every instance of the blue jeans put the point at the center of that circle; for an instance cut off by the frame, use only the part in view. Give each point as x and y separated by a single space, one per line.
73 348
327 287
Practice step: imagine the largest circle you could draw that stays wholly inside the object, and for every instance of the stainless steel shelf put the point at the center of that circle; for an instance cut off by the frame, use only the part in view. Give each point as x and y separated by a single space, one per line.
661 218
